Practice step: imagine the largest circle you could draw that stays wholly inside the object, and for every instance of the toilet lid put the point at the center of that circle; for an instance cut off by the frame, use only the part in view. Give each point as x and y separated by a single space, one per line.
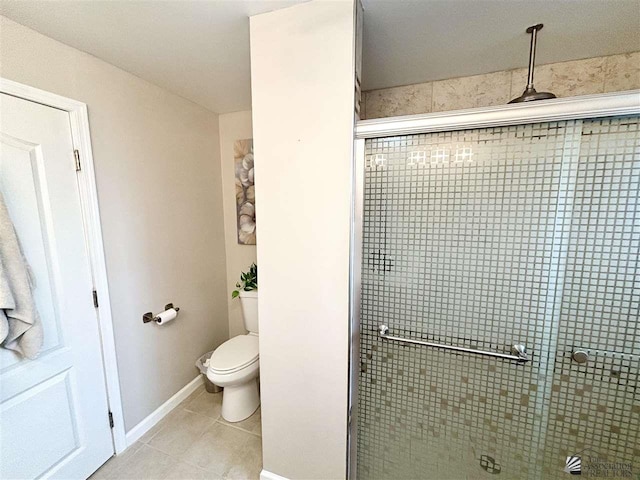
235 353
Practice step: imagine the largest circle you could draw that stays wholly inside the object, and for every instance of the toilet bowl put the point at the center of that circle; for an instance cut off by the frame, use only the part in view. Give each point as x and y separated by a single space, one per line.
235 366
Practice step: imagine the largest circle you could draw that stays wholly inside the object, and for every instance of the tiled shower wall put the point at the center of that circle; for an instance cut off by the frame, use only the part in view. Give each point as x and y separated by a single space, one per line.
566 79
486 238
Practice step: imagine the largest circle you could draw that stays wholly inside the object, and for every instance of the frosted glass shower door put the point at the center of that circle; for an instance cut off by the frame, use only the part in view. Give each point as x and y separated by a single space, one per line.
483 239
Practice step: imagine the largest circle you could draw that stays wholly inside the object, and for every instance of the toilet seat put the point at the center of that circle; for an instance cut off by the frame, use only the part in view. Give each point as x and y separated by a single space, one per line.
234 354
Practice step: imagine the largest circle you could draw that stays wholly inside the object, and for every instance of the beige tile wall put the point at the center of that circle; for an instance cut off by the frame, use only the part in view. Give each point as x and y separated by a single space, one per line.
579 77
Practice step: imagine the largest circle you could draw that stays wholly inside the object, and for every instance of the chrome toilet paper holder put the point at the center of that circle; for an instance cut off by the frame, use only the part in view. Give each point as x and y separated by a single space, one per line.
150 317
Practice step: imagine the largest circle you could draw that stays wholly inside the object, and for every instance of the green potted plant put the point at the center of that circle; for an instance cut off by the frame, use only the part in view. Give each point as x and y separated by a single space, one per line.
248 281
247 290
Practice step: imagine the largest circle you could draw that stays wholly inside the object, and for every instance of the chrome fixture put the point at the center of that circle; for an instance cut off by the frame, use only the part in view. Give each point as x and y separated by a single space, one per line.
530 94
519 352
580 356
150 317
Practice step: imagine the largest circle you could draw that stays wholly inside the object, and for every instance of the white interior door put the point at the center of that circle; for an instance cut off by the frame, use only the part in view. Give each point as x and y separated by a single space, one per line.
53 410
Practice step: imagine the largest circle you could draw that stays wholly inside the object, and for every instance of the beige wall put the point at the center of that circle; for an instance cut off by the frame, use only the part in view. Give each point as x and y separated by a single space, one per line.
580 77
302 69
234 126
159 187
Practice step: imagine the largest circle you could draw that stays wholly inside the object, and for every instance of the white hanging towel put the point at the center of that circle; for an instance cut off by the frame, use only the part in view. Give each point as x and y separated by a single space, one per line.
20 325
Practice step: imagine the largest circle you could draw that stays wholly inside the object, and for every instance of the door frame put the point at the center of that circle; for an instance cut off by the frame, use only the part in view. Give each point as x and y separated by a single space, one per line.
554 110
81 139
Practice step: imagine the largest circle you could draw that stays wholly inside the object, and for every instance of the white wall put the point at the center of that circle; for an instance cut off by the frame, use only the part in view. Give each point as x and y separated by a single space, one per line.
159 187
302 65
234 126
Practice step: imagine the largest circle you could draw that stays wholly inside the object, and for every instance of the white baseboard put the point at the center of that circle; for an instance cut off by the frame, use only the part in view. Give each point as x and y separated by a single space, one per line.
265 475
159 413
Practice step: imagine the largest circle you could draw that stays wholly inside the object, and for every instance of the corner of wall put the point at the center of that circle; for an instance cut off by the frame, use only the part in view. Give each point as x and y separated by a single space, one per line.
233 126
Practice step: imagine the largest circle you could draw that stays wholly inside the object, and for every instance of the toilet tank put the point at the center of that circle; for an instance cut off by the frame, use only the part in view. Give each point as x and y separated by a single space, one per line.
249 303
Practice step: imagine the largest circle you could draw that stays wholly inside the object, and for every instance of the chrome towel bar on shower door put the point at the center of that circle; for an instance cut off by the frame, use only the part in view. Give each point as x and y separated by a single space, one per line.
519 351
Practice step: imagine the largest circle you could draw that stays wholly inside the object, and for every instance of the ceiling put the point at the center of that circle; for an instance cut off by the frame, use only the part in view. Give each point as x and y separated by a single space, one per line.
196 49
409 42
200 49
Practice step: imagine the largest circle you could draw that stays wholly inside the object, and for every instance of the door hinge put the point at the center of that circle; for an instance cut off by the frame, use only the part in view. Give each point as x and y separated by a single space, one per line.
76 156
95 299
111 419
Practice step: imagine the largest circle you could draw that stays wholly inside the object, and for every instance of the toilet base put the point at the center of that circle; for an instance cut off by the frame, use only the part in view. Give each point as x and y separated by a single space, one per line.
240 401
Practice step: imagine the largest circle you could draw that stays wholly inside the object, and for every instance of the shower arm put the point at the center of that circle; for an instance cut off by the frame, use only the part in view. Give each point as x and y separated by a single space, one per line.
530 93
533 30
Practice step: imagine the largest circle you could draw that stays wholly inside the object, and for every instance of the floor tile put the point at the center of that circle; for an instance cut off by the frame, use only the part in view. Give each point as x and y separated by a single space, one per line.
146 464
185 471
110 469
153 431
216 449
253 424
192 443
180 432
209 404
246 463
146 438
196 393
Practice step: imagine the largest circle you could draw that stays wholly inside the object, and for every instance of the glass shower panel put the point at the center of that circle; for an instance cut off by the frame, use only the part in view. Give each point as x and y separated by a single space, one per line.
478 239
595 407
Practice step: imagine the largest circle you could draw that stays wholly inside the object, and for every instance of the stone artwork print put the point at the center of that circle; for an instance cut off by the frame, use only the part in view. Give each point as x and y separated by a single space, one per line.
245 191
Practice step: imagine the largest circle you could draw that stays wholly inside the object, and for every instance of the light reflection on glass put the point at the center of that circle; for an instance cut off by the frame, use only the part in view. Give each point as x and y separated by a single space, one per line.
417 157
379 160
463 154
439 156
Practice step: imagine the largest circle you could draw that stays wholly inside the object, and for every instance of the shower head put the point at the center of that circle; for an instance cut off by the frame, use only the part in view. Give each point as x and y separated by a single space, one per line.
530 94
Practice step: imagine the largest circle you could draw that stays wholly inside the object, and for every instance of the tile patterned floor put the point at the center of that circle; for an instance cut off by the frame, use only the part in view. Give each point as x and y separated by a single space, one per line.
193 442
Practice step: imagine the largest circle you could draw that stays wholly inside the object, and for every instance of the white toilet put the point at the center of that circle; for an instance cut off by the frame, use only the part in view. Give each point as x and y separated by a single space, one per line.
234 365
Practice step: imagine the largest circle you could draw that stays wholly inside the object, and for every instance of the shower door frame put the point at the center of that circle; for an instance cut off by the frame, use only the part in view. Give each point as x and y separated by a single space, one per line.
559 109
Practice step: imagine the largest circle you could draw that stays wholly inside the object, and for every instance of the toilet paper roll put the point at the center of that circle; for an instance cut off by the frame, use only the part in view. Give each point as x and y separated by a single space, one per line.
166 316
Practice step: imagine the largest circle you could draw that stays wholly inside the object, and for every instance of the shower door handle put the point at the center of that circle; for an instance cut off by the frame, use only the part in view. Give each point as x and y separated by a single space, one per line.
518 352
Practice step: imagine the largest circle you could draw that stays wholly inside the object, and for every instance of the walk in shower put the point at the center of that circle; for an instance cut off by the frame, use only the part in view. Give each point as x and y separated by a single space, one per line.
496 312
